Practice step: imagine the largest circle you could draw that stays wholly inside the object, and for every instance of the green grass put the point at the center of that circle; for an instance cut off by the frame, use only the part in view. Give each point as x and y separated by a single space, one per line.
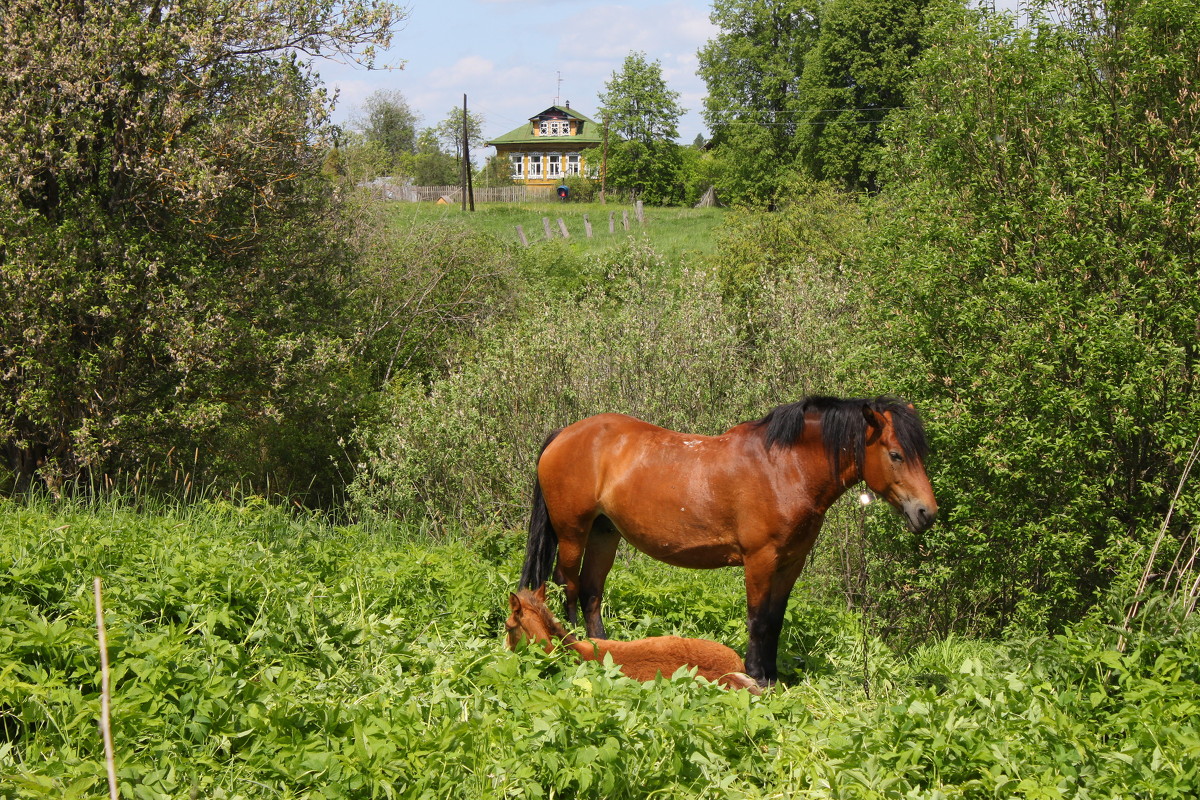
258 654
678 234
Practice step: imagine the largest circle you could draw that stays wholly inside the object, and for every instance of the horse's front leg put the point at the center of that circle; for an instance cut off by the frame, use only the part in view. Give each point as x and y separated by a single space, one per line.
767 592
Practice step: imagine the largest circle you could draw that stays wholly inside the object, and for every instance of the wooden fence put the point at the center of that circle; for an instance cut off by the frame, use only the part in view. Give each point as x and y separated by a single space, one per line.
564 231
453 194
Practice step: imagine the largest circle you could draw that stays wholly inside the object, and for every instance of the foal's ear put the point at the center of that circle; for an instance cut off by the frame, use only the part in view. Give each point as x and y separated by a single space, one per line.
540 593
873 417
514 602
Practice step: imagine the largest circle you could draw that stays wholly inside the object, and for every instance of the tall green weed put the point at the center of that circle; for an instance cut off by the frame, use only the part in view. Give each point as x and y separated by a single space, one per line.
464 449
261 654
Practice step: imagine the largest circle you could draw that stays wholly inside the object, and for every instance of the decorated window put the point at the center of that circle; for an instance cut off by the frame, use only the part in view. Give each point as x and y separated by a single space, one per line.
573 163
535 165
555 165
543 128
518 165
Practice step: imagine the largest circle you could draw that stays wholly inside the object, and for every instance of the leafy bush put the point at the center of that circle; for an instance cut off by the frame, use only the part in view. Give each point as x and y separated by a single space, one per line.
170 255
419 288
1035 275
464 450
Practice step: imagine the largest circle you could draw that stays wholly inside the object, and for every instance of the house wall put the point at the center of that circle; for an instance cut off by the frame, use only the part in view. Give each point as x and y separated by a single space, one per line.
539 167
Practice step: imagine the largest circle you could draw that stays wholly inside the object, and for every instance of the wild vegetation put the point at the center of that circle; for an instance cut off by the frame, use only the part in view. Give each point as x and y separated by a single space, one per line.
260 654
293 429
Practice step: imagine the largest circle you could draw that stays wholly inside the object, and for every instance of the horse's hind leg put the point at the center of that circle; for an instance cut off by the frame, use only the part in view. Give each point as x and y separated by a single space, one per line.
573 540
598 560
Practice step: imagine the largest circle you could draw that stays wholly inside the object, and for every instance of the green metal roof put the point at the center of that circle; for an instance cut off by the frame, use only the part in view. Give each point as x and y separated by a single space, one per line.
589 131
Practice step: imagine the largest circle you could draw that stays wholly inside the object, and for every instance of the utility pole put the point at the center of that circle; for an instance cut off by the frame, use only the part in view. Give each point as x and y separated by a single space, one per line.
604 164
468 188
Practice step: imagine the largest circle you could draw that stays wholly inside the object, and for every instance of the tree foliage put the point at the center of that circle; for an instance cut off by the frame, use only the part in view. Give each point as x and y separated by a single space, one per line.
388 123
854 77
1041 267
450 130
168 262
799 88
642 115
753 105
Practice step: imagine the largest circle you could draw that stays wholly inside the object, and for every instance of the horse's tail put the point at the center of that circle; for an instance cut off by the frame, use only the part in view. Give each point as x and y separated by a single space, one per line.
542 546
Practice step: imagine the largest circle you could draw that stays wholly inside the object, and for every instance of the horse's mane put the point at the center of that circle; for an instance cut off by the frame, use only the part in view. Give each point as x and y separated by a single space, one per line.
555 628
843 426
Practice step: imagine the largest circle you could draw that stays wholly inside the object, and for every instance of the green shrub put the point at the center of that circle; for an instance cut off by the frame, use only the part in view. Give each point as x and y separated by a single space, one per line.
465 448
170 250
1034 278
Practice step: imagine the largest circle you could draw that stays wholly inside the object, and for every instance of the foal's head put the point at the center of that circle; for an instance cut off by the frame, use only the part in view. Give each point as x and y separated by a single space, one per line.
531 619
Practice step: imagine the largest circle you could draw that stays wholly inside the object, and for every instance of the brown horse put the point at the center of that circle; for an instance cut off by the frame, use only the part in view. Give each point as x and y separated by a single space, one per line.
754 496
642 659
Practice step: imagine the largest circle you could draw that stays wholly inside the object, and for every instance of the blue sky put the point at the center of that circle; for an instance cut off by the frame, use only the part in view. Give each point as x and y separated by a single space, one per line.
508 56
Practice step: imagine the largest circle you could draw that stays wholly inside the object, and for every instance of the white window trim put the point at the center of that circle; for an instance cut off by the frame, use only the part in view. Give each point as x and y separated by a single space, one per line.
554 165
574 162
535 165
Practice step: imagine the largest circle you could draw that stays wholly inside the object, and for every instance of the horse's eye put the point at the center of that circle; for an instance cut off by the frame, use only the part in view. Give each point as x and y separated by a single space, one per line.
896 456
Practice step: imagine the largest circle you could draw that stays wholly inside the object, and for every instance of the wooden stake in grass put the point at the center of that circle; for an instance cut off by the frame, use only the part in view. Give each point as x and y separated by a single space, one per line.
105 726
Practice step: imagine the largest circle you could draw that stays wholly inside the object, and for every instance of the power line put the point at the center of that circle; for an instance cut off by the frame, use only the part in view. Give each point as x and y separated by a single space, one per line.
822 110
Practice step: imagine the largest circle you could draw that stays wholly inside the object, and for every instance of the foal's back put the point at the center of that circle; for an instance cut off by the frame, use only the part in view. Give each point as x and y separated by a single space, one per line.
645 659
640 659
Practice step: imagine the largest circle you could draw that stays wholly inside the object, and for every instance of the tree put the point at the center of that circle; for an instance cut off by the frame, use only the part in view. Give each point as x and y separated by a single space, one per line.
642 113
752 69
432 166
450 131
853 78
1040 302
496 172
169 262
387 120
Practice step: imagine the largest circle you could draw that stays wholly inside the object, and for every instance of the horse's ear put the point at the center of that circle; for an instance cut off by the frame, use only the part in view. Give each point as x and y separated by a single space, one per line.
540 593
873 417
514 602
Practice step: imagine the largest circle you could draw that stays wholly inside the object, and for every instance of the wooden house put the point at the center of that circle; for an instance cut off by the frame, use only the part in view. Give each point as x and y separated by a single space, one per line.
549 147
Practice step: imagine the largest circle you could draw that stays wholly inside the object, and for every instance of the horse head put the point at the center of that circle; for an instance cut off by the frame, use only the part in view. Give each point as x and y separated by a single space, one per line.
527 618
893 462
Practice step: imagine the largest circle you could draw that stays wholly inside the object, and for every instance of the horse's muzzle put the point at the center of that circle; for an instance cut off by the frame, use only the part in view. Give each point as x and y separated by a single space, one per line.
919 516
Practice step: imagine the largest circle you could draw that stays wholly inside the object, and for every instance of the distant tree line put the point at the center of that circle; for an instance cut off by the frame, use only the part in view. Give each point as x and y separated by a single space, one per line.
384 139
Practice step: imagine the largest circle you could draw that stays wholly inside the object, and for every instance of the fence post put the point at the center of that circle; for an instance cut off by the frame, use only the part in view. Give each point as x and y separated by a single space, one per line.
562 226
625 219
521 233
546 225
612 227
587 226
641 217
